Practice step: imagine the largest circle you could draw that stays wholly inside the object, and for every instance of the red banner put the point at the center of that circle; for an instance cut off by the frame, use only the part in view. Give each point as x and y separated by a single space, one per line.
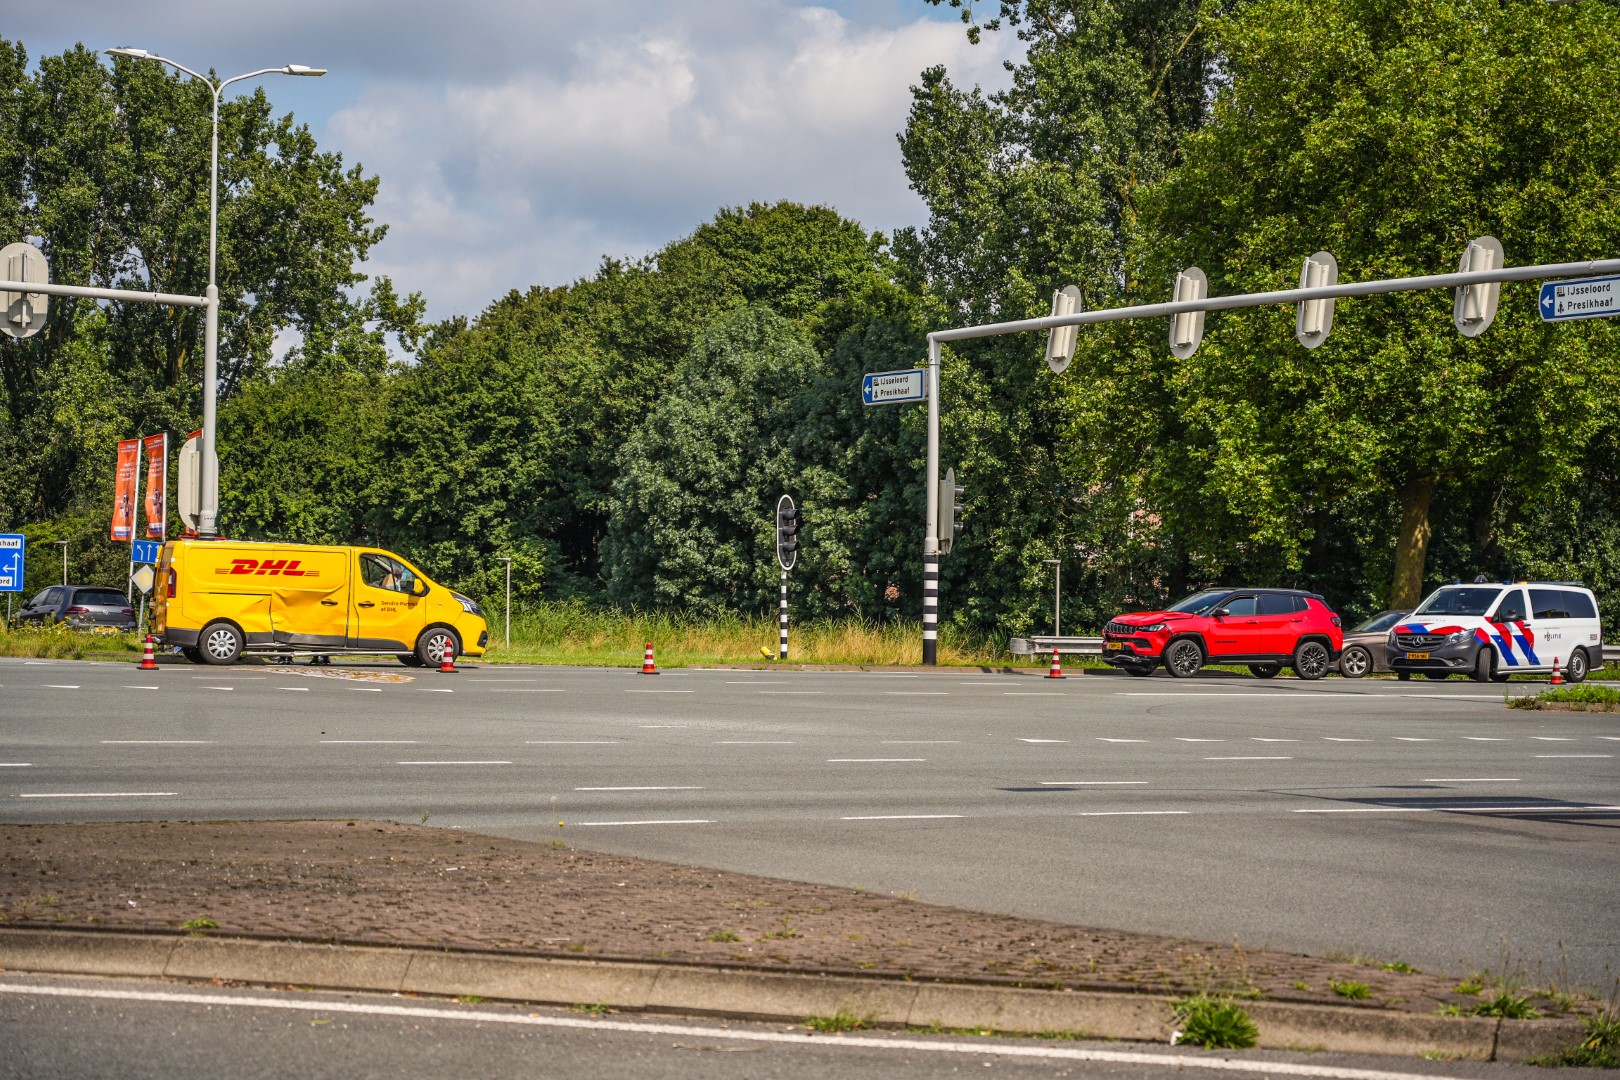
157 485
123 517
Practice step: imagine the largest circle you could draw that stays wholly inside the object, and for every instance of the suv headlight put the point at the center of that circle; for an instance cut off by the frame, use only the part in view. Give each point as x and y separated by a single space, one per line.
1154 629
468 604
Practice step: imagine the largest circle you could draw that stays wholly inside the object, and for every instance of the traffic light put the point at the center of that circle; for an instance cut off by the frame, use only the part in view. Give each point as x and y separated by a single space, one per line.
950 511
787 532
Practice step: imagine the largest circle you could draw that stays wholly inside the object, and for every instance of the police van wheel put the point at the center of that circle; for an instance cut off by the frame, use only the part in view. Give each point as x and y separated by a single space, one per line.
430 646
1482 666
410 659
220 643
1575 669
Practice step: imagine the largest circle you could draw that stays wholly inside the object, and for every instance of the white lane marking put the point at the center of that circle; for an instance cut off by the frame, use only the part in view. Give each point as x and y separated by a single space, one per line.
16 764
370 742
1551 738
560 690
1272 740
838 1043
157 742
54 686
793 691
849 760
1130 813
1180 739
508 680
882 675
216 688
572 742
1574 755
920 742
989 682
660 691
1409 738
659 727
38 663
1031 693
1248 759
424 689
371 689
1044 740
1089 783
1470 780
753 742
452 763
1610 738
1481 738
644 788
899 817
1442 697
305 689
96 794
1121 740
1233 693
1454 810
756 682
128 687
1329 738
686 821
917 693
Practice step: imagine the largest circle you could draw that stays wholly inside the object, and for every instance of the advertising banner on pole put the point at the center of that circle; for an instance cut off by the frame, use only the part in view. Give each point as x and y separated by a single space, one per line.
157 485
129 462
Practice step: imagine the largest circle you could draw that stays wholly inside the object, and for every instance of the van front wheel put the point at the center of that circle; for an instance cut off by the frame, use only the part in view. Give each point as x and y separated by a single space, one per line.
431 645
220 643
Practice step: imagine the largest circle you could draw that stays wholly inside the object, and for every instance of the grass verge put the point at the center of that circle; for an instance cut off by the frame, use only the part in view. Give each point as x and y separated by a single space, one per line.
1597 698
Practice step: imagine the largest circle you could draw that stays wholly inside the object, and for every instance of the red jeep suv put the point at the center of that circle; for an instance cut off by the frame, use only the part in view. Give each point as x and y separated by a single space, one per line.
1263 628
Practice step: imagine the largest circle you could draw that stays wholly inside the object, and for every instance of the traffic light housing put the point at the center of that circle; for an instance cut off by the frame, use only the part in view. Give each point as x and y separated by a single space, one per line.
787 533
950 510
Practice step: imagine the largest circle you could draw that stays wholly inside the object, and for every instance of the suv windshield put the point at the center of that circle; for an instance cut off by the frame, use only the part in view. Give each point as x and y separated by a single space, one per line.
1380 622
1201 603
1460 600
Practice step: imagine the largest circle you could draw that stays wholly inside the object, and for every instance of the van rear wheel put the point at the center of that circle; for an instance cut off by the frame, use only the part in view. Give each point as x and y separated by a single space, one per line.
1575 668
409 659
431 645
220 643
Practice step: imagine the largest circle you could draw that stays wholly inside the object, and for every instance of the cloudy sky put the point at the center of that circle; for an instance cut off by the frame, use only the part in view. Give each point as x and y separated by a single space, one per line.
519 142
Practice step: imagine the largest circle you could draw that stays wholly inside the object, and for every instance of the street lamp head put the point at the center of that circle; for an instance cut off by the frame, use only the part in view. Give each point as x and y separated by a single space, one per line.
133 54
300 69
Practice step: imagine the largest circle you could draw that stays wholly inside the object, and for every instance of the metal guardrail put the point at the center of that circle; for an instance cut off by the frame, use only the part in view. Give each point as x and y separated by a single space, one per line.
1092 646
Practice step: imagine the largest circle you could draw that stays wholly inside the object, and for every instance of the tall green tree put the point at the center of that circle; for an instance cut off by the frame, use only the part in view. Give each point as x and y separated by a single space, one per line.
1389 133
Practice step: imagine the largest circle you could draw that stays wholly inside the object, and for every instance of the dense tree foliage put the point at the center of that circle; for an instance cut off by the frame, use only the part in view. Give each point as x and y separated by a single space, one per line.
623 438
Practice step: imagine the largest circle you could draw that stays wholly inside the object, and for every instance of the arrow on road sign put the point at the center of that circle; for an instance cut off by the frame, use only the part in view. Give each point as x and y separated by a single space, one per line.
893 387
1583 298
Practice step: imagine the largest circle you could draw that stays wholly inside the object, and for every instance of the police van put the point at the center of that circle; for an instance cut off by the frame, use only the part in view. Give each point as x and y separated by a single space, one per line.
218 599
1490 631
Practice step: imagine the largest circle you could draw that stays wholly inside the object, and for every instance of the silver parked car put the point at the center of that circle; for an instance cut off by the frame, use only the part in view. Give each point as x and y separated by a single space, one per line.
1366 647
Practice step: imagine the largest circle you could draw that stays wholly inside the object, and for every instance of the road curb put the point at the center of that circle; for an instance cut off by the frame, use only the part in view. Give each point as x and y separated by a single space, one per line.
756 995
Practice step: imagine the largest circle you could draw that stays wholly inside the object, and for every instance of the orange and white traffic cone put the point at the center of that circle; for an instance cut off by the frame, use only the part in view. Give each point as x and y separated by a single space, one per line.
1557 677
447 662
1057 667
148 660
647 665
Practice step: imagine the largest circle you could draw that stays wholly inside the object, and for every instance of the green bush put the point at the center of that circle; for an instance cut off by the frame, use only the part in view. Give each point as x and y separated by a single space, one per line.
1215 1024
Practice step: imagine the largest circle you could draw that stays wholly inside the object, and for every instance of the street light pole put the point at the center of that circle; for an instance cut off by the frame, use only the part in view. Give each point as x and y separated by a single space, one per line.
508 563
64 544
208 501
1057 595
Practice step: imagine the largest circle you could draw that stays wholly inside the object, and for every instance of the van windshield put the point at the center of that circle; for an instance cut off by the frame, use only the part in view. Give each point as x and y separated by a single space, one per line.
1200 603
1460 600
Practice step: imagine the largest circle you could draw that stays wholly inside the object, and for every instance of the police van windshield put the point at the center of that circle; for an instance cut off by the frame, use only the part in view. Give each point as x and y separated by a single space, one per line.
1460 600
1200 603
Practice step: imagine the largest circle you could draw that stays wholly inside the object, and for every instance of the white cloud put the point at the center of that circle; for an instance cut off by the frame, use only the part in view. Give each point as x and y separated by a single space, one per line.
518 143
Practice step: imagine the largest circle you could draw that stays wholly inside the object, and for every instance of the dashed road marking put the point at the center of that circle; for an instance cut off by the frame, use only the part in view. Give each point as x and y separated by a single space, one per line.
1481 738
1121 740
1329 738
1550 738
779 692
370 742
920 742
1248 759
560 690
754 742
95 794
55 686
1273 740
1470 780
1031 693
899 817
16 764
644 787
1410 738
1181 739
128 687
683 821
1574 755
660 691
1130 813
157 742
452 763
1044 740
572 742
305 689
917 693
870 760
1090 783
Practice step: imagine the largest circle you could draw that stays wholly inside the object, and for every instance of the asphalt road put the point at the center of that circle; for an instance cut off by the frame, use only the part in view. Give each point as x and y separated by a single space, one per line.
1420 821
83 1028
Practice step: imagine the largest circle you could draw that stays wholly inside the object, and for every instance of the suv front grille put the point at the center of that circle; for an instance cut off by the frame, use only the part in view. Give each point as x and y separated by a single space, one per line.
1419 641
1121 629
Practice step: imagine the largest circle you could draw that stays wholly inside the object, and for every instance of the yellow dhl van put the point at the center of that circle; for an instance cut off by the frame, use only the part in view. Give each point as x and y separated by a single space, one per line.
217 599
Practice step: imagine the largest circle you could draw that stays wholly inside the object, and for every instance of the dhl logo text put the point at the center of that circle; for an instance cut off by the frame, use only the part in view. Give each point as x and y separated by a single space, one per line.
274 567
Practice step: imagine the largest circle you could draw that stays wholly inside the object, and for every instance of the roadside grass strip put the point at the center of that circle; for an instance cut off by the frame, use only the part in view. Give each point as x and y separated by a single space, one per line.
853 1043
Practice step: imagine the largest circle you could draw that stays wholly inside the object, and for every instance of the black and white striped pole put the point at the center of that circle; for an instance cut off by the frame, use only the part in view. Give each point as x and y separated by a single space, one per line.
930 644
787 556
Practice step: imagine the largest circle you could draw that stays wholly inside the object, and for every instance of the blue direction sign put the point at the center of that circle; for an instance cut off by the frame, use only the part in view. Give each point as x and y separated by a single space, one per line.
144 551
1585 298
893 387
13 546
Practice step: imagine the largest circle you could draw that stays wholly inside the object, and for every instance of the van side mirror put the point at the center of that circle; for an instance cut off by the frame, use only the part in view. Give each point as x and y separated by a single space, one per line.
418 587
